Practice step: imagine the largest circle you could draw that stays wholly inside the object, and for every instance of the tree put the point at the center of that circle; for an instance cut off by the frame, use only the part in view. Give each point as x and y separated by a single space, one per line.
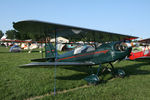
11 34
1 33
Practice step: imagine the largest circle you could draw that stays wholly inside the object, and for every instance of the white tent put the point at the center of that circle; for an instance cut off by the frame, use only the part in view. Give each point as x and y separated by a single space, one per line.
60 40
4 37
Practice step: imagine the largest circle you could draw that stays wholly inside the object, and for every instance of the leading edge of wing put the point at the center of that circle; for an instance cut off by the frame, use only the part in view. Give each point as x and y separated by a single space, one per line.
38 27
58 64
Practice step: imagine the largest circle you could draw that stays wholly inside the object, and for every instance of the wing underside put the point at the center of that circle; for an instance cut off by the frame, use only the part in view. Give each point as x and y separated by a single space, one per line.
58 64
72 33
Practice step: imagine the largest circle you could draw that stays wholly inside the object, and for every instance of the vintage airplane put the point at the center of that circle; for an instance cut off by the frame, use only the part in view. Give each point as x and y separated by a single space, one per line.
107 47
142 51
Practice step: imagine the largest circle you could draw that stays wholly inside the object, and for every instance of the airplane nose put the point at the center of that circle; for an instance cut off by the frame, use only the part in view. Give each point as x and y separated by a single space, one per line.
121 46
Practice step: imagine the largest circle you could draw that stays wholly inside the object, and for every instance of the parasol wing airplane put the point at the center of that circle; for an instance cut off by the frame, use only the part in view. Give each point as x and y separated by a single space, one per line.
111 49
142 51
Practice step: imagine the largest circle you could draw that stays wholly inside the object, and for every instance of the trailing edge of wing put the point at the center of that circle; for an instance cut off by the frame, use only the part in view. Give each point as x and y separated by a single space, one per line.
69 32
58 64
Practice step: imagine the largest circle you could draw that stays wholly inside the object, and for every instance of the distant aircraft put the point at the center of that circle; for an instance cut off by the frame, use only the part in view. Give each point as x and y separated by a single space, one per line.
142 51
25 44
107 47
15 48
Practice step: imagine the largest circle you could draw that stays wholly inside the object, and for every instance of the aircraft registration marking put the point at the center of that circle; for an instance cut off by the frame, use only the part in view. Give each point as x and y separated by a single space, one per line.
92 53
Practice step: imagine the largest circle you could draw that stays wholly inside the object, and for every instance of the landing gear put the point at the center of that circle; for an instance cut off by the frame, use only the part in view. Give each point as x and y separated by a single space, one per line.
94 78
119 73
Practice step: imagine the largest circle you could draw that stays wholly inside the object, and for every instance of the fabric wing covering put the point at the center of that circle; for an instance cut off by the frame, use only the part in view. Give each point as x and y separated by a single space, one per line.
70 32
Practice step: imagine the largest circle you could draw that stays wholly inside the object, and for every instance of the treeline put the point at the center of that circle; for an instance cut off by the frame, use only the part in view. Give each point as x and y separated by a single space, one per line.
12 34
1 33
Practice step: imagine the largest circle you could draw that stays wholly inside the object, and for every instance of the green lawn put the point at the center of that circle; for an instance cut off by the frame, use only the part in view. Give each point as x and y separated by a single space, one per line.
22 83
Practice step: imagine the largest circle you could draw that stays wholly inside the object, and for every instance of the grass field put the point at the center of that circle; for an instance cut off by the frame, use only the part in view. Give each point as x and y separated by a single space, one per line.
38 83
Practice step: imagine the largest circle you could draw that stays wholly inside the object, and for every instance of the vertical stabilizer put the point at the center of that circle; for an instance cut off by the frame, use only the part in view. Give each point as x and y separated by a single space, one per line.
49 50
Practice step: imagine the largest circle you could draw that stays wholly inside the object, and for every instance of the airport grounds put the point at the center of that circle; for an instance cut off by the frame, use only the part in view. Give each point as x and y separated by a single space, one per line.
37 83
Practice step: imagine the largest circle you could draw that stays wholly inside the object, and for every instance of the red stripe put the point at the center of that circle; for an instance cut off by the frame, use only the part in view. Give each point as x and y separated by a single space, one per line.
92 53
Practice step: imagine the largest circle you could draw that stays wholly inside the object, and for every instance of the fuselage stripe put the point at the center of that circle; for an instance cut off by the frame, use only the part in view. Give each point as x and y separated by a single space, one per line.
92 53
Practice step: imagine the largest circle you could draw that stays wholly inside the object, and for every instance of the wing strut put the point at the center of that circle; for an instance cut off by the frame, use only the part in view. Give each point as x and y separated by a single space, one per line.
55 32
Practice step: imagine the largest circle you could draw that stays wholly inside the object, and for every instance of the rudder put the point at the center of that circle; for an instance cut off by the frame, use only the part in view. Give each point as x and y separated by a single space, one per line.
49 50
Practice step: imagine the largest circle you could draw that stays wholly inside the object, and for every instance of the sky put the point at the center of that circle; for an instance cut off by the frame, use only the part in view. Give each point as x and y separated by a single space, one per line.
129 17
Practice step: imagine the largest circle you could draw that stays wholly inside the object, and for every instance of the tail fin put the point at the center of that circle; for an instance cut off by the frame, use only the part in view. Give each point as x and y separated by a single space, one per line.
49 50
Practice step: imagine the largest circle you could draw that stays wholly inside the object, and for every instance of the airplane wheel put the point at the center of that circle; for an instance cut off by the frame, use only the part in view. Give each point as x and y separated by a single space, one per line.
92 79
121 73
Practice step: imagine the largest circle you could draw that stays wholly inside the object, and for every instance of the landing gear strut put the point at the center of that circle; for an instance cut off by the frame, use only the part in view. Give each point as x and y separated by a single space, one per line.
118 73
94 79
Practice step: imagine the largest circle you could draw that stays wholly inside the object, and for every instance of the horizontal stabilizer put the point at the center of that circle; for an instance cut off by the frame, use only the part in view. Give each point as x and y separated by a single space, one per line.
59 64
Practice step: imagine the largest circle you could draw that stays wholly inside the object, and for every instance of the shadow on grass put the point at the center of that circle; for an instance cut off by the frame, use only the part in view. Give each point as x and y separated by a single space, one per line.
133 69
143 60
5 52
85 71
72 77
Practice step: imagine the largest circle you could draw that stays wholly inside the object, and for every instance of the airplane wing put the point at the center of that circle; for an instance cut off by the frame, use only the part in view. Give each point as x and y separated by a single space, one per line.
59 64
70 32
140 58
145 40
144 57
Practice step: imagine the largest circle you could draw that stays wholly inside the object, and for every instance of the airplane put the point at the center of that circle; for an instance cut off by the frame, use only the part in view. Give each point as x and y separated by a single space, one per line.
142 51
108 47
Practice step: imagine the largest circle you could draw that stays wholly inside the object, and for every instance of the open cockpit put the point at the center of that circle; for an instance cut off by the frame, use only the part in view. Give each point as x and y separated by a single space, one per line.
83 49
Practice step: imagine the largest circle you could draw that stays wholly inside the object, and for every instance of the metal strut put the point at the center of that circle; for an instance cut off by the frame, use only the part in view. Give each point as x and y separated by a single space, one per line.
113 69
55 61
118 73
90 68
98 70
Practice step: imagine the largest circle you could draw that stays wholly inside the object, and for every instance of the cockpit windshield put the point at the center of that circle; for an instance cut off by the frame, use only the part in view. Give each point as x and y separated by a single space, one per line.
83 49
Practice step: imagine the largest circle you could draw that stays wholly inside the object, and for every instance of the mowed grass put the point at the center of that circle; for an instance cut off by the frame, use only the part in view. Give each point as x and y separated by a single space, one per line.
22 83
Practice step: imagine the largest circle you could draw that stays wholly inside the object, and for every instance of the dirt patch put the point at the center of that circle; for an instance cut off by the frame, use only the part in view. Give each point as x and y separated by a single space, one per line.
58 92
